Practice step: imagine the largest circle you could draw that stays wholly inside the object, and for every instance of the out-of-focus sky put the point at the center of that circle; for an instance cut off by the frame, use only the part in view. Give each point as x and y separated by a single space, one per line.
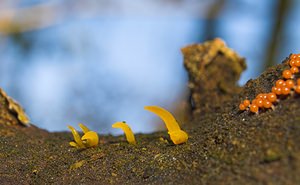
99 62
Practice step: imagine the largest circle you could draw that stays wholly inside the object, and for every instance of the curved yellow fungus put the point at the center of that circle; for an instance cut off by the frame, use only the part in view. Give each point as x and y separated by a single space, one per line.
78 143
89 139
177 135
127 130
83 128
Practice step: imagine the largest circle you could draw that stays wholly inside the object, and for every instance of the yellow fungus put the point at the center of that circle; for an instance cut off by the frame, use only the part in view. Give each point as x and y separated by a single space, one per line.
89 139
177 135
83 128
78 143
127 130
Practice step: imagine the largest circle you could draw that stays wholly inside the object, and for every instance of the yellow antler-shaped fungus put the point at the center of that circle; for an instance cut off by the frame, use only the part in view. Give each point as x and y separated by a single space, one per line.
89 139
127 130
177 135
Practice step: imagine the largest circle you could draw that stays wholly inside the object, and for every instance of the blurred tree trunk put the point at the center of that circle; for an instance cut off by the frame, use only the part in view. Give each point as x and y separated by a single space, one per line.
278 29
210 24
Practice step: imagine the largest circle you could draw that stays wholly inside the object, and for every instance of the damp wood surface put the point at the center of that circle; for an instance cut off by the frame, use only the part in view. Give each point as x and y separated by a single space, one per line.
225 146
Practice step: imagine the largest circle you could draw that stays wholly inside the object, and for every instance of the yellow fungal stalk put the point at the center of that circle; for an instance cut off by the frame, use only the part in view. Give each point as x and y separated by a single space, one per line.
177 135
89 139
127 130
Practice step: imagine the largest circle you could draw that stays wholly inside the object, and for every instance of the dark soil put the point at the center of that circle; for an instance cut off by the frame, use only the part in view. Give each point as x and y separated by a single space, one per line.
226 146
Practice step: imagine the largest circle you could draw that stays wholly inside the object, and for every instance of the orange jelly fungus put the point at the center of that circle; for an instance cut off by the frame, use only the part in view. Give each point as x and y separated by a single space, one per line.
294 69
285 91
297 89
271 97
292 63
279 83
287 74
260 95
298 81
242 107
265 96
259 102
274 89
293 56
253 108
246 103
278 90
267 104
290 83
297 62
281 87
254 102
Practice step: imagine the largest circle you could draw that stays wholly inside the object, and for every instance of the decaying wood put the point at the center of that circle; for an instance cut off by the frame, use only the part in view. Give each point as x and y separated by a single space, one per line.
214 70
225 146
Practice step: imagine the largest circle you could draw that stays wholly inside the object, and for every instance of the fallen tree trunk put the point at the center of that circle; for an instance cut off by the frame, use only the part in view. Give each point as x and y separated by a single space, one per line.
225 146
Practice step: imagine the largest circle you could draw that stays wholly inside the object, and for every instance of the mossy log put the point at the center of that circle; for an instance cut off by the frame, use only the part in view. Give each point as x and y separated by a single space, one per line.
225 146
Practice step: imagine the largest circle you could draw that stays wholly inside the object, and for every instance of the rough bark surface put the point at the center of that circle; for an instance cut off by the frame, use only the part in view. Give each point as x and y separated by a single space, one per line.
214 70
225 147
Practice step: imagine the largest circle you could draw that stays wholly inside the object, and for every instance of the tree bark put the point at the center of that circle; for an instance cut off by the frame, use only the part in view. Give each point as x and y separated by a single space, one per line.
224 147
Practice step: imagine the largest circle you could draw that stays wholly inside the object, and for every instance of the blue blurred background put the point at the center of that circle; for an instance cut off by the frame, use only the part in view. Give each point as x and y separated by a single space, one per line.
99 62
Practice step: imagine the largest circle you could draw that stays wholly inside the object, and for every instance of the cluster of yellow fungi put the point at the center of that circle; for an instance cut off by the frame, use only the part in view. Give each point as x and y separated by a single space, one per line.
283 87
90 138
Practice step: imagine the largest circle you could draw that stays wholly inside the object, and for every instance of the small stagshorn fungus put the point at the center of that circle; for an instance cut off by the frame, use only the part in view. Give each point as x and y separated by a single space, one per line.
89 139
127 130
177 135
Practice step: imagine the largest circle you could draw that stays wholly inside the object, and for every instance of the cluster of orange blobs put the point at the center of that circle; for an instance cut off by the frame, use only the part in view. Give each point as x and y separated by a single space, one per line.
282 88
